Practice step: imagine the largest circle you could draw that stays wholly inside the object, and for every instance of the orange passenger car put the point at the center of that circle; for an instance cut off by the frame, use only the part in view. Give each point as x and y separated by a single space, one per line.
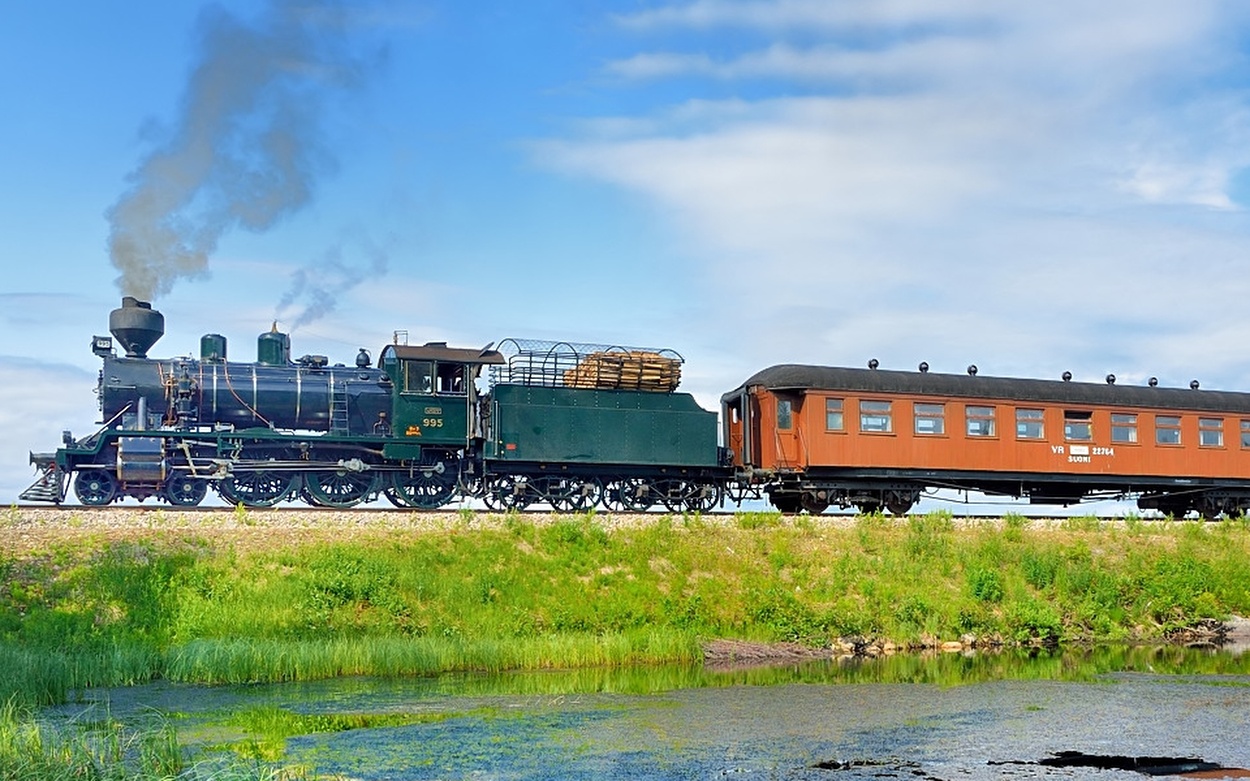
812 436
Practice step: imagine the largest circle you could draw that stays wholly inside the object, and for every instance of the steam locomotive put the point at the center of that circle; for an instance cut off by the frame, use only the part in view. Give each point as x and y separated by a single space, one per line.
564 424
573 426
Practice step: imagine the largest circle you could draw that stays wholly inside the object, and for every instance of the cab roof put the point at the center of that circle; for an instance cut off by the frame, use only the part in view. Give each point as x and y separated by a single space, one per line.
439 351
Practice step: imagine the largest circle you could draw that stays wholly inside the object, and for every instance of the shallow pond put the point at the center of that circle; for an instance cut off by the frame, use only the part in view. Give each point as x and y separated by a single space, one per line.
946 717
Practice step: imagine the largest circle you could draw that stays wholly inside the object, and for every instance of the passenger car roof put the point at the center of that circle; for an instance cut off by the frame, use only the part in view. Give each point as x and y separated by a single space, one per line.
800 377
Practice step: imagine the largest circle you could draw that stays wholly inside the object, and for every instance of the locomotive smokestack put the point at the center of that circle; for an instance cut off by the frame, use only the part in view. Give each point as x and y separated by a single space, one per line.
136 326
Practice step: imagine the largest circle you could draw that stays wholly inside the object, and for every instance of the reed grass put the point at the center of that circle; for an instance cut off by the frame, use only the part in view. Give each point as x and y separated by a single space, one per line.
260 660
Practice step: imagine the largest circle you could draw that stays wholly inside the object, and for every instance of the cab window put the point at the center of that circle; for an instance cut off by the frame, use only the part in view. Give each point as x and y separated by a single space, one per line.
418 377
449 379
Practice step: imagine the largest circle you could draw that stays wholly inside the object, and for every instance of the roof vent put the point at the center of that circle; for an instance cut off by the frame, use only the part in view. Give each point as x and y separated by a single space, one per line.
1111 379
924 367
972 370
1067 376
1193 385
873 363
1153 382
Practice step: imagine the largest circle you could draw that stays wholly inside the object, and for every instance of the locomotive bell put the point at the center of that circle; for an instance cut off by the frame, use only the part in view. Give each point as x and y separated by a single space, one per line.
136 326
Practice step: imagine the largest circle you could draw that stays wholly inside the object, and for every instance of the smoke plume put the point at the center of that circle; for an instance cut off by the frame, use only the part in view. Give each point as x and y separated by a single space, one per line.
245 150
317 288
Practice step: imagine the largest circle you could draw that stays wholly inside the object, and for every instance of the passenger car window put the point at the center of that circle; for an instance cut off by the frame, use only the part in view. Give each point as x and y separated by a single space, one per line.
1077 425
1167 430
980 421
1029 424
1211 432
784 417
833 415
930 418
875 417
1123 428
1245 433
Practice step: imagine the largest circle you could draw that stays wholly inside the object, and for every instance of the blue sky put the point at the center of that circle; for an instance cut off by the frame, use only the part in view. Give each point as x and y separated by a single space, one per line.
1029 187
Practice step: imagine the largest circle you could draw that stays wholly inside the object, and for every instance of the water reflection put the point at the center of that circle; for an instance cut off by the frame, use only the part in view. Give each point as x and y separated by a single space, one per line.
943 717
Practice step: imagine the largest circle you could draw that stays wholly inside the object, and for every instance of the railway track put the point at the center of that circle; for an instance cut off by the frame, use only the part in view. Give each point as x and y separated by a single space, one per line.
385 511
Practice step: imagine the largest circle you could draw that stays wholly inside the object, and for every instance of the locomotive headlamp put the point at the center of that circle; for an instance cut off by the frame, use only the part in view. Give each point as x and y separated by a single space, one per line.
102 345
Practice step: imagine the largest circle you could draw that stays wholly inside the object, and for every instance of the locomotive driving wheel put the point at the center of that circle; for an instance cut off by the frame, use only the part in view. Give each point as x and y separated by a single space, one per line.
427 489
185 491
260 488
95 487
340 487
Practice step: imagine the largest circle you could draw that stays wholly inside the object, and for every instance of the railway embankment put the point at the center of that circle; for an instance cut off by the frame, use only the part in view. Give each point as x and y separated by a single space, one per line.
122 596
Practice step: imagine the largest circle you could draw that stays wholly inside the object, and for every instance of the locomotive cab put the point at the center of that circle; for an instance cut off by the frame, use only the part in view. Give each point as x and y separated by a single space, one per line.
435 401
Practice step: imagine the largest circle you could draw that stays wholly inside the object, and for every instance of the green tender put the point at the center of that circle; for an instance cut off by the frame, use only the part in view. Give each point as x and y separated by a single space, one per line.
580 425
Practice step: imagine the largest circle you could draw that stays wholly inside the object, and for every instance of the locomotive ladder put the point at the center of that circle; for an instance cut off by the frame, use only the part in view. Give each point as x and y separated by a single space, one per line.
338 408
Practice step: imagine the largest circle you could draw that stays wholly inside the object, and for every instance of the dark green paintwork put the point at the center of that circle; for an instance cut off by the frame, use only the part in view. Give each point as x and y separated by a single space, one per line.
579 425
422 419
402 451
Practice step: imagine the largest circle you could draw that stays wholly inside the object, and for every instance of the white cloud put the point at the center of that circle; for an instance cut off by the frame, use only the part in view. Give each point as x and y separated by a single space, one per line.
37 402
1038 186
799 14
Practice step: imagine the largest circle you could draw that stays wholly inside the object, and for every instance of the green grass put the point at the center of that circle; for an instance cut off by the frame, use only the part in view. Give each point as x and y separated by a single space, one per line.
111 751
511 593
267 728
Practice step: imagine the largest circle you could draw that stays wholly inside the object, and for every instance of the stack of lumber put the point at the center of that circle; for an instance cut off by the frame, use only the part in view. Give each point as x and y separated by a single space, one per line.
634 370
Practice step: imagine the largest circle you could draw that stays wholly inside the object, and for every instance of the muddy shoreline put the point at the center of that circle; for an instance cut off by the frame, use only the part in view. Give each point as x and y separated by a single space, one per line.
1232 636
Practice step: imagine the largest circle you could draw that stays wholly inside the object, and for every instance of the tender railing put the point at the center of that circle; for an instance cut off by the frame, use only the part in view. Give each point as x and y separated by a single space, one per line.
574 365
